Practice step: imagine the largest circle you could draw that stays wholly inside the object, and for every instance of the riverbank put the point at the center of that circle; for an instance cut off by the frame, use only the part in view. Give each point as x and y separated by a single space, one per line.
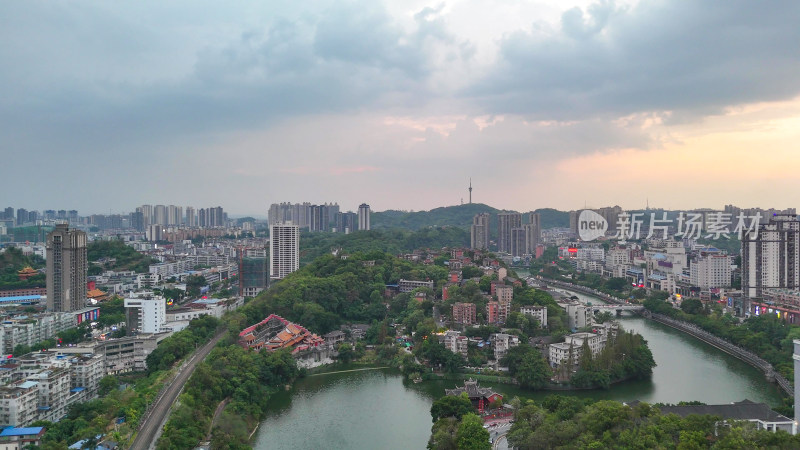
727 347
696 332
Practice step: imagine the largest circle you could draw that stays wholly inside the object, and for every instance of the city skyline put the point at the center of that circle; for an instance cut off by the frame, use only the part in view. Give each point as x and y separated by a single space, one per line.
541 104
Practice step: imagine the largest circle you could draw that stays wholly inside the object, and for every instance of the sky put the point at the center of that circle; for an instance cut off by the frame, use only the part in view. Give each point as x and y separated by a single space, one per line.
105 106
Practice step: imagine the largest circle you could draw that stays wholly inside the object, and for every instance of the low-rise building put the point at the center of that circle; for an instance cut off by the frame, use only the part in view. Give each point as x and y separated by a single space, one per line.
53 393
410 285
572 348
18 404
464 313
20 438
456 343
537 312
502 342
146 314
578 315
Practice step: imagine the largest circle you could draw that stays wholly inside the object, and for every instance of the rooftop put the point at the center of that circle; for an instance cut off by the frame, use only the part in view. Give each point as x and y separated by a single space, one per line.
11 431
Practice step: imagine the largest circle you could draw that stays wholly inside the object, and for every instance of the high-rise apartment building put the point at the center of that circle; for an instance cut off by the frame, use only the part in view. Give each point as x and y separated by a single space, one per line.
711 271
771 259
363 216
160 215
479 232
136 220
284 255
147 214
211 217
320 219
533 231
174 215
22 216
67 267
519 241
191 217
346 222
505 223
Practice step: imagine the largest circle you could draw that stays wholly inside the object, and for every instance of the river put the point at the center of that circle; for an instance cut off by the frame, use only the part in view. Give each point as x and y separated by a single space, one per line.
378 409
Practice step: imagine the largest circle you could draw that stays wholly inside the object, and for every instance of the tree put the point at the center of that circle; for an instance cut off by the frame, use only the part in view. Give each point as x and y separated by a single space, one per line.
107 384
528 366
443 434
346 353
451 406
193 285
692 306
471 435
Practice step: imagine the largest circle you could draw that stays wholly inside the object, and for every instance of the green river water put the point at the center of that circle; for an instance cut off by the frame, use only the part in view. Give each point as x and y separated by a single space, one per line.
379 410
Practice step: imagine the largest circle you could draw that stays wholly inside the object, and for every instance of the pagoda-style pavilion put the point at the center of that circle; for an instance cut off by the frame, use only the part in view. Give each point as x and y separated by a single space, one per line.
26 273
479 396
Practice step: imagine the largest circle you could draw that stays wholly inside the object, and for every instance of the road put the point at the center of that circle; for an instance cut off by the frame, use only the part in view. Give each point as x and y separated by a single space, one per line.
497 435
150 428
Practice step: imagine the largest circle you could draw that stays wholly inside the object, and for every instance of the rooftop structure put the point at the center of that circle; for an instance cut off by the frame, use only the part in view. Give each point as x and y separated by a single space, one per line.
480 397
759 413
275 332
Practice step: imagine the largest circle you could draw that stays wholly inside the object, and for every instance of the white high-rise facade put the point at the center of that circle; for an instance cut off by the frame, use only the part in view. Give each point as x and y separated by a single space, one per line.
363 217
284 255
160 215
146 315
772 258
711 271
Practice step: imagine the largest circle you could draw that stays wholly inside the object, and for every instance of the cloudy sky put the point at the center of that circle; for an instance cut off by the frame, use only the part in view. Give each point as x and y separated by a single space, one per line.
108 105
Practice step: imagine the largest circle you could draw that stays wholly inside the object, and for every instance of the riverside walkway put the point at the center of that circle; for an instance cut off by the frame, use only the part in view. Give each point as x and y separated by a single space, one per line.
691 329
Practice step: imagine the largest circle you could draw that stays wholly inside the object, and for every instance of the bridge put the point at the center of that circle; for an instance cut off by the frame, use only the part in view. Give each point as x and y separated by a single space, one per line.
617 308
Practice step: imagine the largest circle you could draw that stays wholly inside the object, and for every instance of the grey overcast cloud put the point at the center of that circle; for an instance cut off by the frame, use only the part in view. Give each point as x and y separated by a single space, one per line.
108 105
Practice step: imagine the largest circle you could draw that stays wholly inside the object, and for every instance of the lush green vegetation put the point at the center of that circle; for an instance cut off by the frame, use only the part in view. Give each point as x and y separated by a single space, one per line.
87 420
11 261
553 218
625 356
331 291
247 379
528 366
126 257
570 422
472 292
396 241
456 426
765 335
454 216
457 216
180 344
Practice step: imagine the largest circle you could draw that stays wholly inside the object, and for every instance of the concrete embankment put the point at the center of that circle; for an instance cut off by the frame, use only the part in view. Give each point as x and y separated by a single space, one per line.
696 332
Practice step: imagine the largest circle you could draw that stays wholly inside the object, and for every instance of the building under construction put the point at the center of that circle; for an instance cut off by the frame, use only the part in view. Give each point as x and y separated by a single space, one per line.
252 271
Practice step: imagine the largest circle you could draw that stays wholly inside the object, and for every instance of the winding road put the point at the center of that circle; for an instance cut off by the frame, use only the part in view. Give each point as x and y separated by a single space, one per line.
152 424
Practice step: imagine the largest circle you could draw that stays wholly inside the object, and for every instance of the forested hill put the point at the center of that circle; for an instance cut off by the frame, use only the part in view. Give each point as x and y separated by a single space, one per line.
314 245
456 216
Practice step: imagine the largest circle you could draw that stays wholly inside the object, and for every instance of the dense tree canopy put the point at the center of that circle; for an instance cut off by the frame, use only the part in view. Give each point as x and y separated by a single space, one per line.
127 258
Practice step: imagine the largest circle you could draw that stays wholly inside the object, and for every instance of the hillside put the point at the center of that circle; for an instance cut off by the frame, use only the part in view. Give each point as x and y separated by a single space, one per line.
126 258
314 245
12 260
456 216
553 218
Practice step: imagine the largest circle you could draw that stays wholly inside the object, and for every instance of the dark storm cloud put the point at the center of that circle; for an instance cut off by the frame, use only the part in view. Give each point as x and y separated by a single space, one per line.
338 59
693 58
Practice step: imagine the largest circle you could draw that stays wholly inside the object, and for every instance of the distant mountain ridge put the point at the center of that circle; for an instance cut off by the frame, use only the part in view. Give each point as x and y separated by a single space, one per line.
456 216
